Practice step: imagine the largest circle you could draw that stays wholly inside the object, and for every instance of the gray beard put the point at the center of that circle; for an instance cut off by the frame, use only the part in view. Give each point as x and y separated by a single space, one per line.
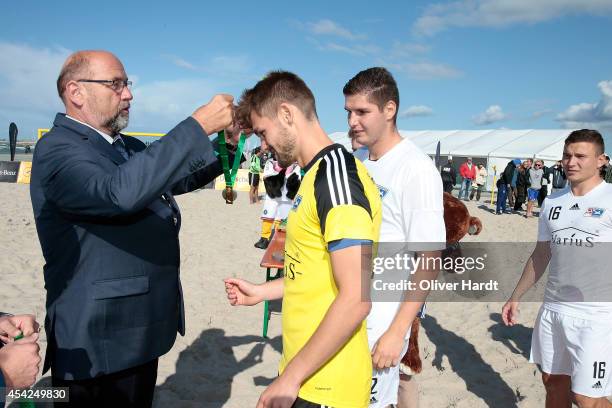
117 123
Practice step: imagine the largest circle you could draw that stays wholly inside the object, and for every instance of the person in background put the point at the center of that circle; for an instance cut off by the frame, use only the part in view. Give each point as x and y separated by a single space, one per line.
535 184
572 337
607 170
282 184
503 185
449 175
479 182
467 171
522 182
545 182
411 191
254 172
559 180
512 192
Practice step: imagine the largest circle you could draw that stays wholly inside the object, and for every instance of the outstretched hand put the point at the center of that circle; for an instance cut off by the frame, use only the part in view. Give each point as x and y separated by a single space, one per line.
242 293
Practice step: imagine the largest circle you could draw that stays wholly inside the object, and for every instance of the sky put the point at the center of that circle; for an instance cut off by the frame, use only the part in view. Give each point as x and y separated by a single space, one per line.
465 64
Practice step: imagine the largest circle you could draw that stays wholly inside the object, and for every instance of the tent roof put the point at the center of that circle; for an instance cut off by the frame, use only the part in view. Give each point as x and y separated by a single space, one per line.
507 143
533 142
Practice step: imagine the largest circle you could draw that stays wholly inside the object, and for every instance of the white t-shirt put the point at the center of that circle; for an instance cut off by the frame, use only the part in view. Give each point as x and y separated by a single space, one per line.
580 270
413 212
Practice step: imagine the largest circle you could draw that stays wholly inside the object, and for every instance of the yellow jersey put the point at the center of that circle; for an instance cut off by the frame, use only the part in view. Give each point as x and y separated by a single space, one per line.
336 201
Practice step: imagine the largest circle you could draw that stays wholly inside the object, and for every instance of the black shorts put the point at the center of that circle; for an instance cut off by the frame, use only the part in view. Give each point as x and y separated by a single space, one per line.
253 180
300 403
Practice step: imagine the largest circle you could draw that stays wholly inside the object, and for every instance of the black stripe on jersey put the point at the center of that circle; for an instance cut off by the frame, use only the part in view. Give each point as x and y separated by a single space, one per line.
337 183
331 168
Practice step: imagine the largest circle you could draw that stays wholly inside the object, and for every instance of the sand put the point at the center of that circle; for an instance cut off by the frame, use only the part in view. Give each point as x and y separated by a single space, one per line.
470 359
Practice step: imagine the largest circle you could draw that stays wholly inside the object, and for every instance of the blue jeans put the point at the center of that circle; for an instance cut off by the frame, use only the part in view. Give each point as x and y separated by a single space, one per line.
466 184
502 195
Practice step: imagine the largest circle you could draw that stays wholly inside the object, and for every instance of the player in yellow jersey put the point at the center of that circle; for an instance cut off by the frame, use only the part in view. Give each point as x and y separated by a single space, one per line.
331 228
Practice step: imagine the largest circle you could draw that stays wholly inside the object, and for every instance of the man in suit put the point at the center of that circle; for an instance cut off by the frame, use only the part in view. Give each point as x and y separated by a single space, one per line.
108 226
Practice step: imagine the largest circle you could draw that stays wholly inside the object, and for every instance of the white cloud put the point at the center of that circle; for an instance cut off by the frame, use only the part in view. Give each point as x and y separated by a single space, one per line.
229 64
590 115
416 110
494 113
161 104
541 113
329 27
502 13
357 49
28 94
180 62
425 70
406 50
222 65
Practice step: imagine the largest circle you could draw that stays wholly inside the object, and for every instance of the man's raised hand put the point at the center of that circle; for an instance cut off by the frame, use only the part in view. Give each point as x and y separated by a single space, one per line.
216 115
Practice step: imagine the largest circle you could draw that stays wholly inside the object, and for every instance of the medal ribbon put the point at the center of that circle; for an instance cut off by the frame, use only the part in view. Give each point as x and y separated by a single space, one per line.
230 176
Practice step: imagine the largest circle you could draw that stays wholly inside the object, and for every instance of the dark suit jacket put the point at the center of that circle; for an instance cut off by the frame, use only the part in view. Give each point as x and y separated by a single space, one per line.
108 229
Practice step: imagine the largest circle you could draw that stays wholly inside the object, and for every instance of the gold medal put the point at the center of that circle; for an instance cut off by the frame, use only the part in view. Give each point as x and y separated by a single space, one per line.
229 195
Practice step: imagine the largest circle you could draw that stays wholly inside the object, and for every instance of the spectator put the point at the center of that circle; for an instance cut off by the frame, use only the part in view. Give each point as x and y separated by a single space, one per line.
545 182
522 182
254 172
535 184
607 170
467 171
559 180
479 182
449 176
512 188
507 177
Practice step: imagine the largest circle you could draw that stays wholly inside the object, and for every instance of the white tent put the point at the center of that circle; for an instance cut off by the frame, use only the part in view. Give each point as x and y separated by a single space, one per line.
493 148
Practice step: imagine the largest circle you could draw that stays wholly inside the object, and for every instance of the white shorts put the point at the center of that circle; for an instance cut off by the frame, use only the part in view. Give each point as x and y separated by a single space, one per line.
385 383
269 208
579 348
275 208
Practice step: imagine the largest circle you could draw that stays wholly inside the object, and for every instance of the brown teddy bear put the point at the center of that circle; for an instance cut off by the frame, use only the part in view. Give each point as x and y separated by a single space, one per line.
458 223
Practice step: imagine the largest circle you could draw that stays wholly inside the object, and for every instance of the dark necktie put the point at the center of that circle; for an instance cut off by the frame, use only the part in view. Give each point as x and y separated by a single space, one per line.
120 147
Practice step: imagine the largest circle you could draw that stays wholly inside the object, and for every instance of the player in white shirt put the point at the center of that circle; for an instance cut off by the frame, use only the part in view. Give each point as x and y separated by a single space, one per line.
572 337
413 214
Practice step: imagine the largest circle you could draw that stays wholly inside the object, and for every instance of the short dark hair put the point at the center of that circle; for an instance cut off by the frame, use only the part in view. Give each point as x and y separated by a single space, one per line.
379 86
275 88
589 136
76 65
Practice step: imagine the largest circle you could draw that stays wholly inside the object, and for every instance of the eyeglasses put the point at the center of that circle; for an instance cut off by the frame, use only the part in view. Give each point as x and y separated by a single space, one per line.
116 85
538 165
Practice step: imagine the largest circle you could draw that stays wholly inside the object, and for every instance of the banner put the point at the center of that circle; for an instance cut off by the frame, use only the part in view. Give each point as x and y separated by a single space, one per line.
23 177
8 171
